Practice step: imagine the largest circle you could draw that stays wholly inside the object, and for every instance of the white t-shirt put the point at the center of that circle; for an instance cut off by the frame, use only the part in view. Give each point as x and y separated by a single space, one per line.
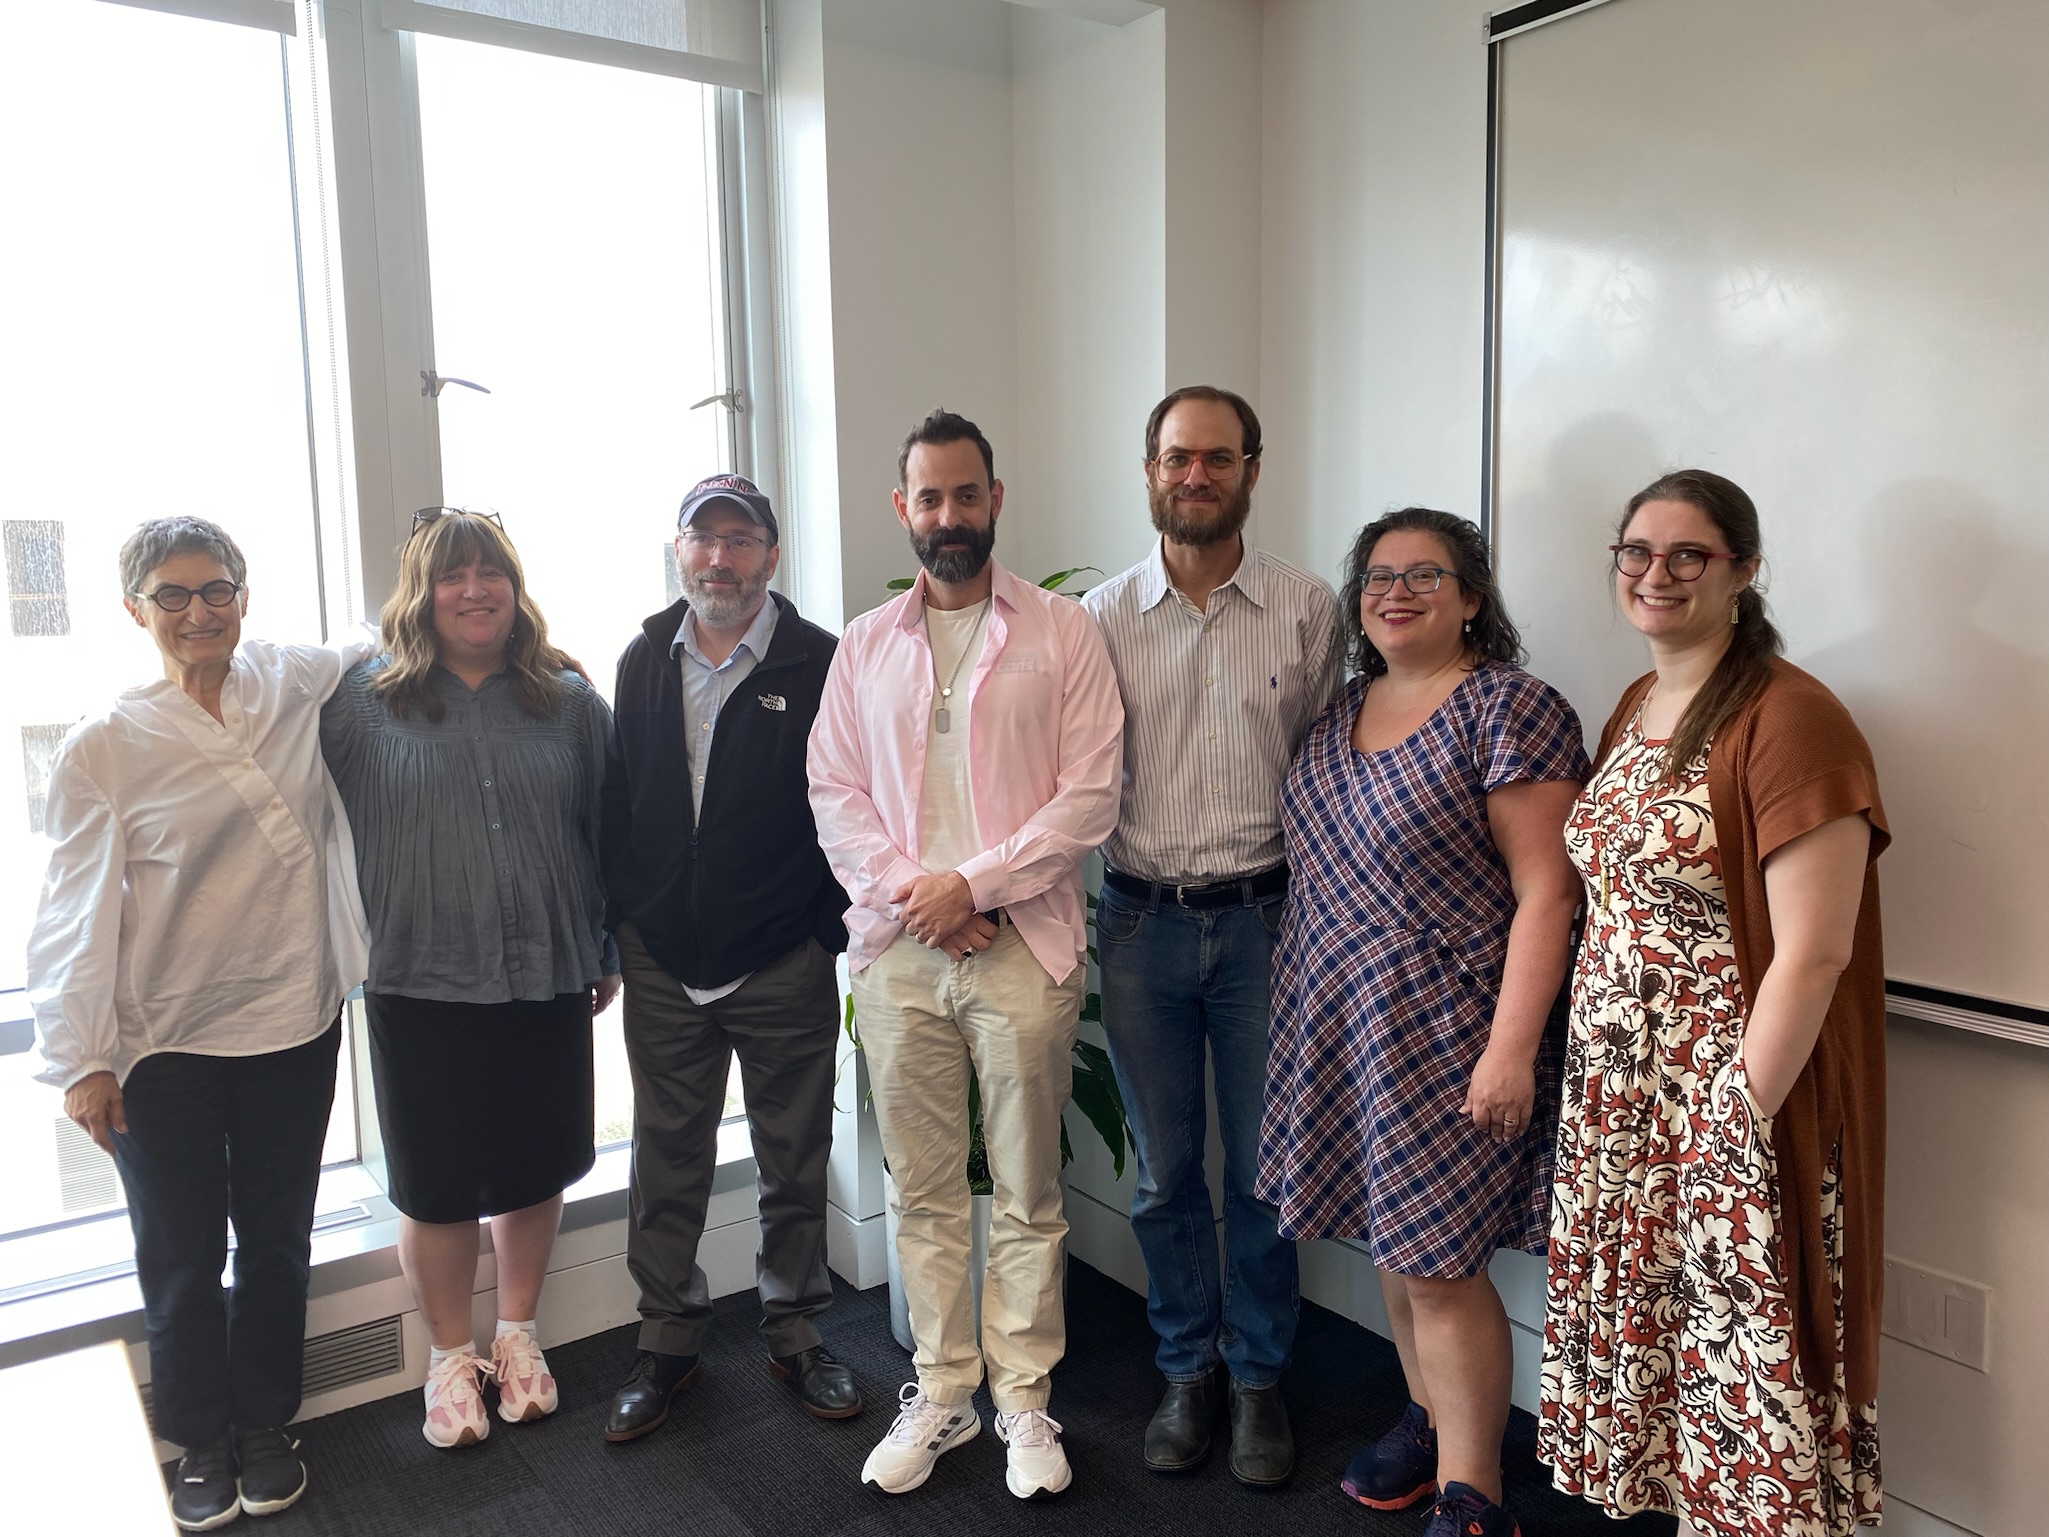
946 817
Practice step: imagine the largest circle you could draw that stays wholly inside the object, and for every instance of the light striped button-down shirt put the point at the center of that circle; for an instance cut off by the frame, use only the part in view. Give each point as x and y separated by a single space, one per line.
1216 700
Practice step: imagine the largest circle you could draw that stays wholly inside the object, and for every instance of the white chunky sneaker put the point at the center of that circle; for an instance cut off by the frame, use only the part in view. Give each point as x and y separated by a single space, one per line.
526 1388
1038 1466
455 1402
923 1429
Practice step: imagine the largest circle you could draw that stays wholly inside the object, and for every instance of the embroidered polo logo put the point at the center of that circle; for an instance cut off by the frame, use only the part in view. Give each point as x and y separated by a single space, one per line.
773 702
1017 661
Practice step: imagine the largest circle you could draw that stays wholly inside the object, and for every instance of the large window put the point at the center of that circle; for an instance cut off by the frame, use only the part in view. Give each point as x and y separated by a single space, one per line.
187 202
152 361
573 238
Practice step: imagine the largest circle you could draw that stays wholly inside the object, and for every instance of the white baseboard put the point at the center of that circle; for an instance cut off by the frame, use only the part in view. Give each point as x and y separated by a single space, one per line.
856 1247
1904 1520
1100 1236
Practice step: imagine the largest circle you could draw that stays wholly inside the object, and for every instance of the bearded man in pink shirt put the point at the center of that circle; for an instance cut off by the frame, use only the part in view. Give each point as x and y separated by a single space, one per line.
965 759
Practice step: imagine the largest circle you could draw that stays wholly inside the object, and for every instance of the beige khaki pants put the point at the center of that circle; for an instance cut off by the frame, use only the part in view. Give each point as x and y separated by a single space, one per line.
924 1017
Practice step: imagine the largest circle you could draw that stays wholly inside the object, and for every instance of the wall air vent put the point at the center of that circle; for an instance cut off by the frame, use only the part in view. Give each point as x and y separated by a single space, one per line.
85 1175
359 1353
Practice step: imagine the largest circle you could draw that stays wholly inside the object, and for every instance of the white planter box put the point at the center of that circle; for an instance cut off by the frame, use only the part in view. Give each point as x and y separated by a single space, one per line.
978 1261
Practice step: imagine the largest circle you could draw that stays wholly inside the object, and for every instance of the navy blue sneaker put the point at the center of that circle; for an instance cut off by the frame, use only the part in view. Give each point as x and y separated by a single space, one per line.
1463 1511
1400 1468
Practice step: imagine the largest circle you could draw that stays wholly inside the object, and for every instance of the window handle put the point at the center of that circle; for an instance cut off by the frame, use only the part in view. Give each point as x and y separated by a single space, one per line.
732 400
433 384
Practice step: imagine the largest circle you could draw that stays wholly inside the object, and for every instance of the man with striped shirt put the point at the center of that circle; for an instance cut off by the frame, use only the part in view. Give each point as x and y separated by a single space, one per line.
1224 656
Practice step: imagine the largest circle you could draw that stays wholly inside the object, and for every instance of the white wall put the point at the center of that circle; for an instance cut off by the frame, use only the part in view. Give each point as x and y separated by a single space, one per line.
917 103
1374 179
1089 143
1374 186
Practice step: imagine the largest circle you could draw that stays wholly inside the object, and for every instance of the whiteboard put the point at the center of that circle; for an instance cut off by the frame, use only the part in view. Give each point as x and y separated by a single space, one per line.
1805 243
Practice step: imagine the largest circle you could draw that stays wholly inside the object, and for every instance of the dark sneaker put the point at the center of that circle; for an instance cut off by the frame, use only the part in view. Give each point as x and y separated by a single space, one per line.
1400 1468
273 1477
203 1493
1463 1511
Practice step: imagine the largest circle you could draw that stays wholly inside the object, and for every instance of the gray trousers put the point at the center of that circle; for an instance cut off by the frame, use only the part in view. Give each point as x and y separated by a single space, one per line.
783 1023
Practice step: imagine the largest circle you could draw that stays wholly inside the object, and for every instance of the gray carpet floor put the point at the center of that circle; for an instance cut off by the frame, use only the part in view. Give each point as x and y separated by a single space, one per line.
739 1458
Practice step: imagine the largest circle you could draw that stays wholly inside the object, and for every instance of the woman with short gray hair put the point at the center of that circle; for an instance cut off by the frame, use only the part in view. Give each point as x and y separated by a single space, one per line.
197 932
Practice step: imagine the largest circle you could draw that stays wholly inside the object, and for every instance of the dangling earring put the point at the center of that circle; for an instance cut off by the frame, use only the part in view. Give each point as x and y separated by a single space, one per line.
1469 627
1735 612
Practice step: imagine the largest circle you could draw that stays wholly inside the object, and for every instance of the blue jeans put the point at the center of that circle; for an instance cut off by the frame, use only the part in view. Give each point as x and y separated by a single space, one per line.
1174 977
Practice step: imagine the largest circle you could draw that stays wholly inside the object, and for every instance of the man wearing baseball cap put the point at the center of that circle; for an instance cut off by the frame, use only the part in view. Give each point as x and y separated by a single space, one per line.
728 919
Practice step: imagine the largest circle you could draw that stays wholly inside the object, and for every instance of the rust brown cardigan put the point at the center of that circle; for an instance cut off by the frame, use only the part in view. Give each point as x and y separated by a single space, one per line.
1787 762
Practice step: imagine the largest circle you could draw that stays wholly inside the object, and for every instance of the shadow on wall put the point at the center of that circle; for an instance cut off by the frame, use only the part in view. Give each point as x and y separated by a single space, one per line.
1952 691
1552 549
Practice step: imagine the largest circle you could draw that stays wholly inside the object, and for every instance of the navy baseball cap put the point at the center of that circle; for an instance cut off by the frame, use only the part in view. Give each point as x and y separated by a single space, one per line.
737 491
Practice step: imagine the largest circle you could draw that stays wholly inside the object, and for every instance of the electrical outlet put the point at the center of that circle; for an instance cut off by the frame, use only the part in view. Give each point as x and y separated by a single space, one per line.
1943 1314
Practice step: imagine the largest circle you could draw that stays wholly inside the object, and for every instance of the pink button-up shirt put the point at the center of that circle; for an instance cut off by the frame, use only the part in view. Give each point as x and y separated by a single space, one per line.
1045 750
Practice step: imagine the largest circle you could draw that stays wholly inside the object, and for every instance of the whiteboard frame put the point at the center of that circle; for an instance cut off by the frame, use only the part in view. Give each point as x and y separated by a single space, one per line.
1962 1011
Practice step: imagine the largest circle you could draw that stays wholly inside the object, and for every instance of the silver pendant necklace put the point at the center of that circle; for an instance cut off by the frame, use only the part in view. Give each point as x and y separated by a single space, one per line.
942 718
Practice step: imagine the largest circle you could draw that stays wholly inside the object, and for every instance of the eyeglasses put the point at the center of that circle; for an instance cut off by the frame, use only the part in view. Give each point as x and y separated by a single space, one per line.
173 599
426 515
743 545
1221 464
1380 580
1682 565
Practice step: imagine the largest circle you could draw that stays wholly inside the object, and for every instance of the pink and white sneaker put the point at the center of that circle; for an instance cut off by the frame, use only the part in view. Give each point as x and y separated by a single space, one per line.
526 1388
455 1400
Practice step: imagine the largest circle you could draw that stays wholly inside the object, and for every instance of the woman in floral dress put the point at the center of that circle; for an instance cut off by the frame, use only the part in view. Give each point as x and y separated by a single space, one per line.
1412 1088
1711 1336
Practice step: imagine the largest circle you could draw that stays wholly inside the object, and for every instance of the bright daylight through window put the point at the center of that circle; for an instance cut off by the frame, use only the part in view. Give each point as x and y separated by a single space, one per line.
172 341
151 362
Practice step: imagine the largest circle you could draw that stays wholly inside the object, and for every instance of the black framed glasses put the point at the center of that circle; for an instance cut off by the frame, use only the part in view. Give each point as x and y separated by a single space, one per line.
173 599
1685 564
1380 580
425 515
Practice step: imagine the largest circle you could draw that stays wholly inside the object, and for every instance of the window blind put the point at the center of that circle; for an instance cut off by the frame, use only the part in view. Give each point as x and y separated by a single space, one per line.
717 42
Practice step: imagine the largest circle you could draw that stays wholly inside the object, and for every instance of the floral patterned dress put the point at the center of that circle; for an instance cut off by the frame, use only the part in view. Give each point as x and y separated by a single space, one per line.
1670 1375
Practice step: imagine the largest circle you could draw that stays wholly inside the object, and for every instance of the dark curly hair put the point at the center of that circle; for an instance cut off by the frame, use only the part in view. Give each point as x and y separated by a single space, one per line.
1490 636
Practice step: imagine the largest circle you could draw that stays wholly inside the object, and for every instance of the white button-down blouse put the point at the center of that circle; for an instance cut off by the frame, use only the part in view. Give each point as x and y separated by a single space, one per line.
201 896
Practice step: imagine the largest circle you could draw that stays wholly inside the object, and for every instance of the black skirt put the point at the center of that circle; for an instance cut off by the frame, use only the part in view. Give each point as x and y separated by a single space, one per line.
486 1108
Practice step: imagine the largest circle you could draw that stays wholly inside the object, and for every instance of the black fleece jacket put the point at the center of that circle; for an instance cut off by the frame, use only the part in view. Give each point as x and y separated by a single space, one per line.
718 900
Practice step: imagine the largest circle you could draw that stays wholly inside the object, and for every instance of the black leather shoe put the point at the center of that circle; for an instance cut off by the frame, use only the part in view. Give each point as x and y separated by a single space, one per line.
824 1387
1262 1445
1177 1439
642 1402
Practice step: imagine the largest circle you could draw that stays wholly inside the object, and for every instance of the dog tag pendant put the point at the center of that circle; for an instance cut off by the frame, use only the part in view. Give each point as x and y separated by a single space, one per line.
942 719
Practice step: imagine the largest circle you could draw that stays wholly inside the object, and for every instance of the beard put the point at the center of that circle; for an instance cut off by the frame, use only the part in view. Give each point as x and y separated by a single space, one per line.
722 598
955 566
1200 522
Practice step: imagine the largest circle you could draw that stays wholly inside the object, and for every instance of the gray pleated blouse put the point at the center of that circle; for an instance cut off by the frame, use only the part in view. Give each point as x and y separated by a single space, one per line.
476 837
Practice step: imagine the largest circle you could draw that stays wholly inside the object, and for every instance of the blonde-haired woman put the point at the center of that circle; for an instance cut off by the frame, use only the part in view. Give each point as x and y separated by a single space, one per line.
472 760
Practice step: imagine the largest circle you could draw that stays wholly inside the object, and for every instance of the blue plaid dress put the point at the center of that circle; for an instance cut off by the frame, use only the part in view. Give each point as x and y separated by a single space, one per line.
1384 985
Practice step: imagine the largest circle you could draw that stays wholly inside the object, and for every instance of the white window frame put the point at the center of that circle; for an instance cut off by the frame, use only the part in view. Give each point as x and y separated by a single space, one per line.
353 112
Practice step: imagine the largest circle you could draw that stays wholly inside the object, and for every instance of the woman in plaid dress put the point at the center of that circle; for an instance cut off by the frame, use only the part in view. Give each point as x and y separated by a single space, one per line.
1412 1094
